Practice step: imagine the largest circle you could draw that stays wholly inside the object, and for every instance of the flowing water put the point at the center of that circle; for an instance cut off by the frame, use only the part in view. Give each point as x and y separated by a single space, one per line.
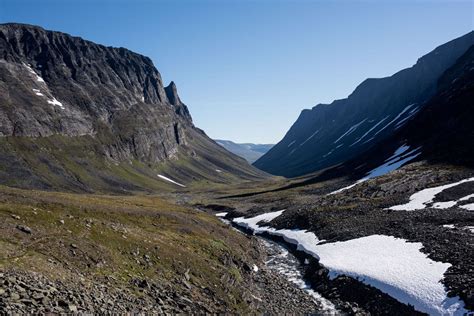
283 262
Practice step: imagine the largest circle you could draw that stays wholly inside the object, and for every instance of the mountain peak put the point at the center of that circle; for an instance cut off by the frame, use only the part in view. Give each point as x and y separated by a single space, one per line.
172 94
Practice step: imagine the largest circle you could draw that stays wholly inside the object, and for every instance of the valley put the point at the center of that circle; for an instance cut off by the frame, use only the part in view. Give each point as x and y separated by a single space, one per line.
130 254
174 250
440 230
113 201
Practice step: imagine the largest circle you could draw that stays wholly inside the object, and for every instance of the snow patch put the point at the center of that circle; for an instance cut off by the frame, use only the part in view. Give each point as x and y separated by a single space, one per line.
368 132
56 102
222 214
467 197
396 267
330 152
410 115
347 187
444 205
350 130
170 180
396 118
393 265
395 161
469 207
251 222
423 198
398 158
38 92
255 268
218 170
469 228
38 78
312 135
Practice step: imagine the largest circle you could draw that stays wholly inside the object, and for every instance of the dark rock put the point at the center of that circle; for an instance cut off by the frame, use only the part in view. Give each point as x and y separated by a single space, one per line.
24 229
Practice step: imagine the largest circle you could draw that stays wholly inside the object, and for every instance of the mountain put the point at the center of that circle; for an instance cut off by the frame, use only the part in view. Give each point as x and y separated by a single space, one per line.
415 186
331 134
251 152
441 133
80 116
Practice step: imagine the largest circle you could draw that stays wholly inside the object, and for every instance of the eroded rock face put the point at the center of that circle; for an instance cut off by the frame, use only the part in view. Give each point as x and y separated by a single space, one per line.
75 115
52 83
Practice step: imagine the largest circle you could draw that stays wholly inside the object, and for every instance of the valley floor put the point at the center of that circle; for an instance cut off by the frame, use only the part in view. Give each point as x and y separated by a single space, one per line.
80 252
64 252
389 235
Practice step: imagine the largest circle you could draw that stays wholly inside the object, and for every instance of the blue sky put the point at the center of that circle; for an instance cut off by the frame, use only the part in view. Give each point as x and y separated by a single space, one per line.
246 68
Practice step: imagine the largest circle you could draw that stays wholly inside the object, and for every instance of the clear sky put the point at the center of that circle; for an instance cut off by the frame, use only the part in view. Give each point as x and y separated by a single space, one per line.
247 68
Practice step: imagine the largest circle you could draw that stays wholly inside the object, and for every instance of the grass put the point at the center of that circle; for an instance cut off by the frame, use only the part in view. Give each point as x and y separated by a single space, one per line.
124 237
80 164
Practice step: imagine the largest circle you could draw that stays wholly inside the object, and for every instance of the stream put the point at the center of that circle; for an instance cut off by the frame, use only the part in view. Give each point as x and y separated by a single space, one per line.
283 262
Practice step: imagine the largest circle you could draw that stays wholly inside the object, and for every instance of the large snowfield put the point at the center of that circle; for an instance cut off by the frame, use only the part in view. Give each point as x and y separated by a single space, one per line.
393 265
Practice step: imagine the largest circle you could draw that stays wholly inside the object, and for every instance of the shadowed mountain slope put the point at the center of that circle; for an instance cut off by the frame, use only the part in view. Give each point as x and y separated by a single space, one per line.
331 134
441 133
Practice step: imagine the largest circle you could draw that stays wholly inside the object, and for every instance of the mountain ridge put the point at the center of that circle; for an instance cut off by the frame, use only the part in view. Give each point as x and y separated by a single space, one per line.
333 133
83 116
441 138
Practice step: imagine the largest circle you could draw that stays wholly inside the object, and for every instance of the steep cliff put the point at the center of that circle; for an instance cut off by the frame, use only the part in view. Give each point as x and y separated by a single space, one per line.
82 116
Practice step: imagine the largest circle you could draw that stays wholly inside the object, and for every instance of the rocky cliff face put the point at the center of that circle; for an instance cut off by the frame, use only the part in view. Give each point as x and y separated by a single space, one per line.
331 134
54 85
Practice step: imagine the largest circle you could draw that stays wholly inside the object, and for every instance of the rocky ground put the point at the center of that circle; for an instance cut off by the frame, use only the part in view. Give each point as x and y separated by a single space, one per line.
361 211
22 292
63 252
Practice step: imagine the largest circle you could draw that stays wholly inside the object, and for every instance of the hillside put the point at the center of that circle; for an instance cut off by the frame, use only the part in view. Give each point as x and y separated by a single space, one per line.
80 116
330 134
113 201
439 133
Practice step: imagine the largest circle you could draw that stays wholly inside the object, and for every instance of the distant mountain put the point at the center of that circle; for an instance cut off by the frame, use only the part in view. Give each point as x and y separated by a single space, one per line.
85 117
251 152
331 134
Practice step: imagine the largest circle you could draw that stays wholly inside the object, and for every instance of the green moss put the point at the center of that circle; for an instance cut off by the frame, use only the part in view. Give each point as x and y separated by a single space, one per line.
107 231
236 274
